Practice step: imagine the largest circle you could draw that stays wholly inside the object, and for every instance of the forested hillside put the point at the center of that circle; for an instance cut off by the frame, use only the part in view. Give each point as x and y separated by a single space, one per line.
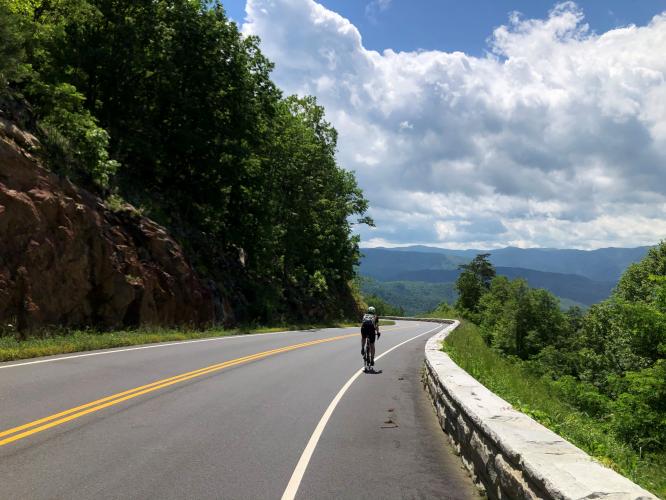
571 286
418 268
164 104
386 264
414 297
602 264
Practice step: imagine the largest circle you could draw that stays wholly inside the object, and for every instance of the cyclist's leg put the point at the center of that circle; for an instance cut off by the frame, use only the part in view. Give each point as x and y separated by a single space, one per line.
371 347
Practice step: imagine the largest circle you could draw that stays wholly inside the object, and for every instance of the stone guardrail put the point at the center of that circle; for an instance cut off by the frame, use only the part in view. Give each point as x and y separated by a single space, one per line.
509 454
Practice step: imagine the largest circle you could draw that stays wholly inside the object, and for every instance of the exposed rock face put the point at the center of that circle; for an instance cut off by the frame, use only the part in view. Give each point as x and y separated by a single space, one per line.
67 260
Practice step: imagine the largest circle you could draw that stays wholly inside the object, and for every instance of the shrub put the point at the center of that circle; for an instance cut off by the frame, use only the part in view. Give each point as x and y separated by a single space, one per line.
639 414
583 395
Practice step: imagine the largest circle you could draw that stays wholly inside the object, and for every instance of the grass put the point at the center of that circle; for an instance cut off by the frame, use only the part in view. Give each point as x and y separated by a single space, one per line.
68 341
538 398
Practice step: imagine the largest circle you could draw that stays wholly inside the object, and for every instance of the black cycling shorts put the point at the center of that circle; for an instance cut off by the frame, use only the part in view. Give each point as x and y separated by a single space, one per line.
369 333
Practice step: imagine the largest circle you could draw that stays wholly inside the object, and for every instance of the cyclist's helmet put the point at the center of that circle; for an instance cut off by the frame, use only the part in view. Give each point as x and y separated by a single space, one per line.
371 310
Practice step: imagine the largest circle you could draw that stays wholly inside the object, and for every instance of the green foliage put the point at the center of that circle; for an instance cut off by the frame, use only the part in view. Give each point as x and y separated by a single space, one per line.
166 105
74 143
415 297
444 310
638 283
519 320
578 412
12 51
473 282
382 307
582 395
639 412
76 146
623 352
619 336
609 363
307 222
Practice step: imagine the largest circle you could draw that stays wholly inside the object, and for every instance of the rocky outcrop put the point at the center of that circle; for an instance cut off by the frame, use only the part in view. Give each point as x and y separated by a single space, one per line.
67 260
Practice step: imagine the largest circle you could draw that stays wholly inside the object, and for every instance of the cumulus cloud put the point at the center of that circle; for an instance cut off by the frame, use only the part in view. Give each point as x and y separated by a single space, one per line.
557 137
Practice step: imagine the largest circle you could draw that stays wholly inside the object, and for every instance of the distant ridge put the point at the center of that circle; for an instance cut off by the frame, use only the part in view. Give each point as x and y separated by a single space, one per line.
582 276
603 264
380 262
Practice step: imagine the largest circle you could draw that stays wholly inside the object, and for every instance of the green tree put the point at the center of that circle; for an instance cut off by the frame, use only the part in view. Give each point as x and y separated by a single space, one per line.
74 143
628 331
310 216
638 409
166 104
622 352
519 320
12 50
636 283
609 362
473 282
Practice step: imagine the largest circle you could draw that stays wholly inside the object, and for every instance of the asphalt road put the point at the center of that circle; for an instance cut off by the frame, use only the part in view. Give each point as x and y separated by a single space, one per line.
230 418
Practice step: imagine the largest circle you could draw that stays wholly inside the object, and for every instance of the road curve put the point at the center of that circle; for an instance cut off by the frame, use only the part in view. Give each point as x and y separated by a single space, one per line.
228 418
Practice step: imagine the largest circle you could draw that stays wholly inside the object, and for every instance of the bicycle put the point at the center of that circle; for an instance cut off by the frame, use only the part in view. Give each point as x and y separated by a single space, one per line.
368 361
366 355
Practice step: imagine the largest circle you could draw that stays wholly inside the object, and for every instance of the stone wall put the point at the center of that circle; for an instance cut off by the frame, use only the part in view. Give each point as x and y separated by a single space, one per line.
509 454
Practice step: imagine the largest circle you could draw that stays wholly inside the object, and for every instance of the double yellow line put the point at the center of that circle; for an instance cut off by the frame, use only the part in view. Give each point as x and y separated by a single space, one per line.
25 430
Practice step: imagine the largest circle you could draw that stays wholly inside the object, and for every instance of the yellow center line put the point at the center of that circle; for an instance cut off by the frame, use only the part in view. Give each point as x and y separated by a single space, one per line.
99 404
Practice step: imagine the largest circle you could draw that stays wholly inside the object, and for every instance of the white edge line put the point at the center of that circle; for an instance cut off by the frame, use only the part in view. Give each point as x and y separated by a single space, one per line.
297 476
11 364
151 346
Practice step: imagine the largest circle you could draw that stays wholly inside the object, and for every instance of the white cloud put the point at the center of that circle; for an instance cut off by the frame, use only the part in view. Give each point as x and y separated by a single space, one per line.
373 8
556 138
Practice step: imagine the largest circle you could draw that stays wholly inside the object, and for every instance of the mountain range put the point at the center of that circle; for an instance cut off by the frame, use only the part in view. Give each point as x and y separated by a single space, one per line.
581 277
603 264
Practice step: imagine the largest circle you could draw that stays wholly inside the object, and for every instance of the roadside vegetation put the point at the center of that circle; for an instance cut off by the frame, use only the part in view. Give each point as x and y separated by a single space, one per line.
67 341
598 378
543 399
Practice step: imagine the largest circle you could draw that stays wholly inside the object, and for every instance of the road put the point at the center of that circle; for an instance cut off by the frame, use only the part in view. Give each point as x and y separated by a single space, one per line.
258 416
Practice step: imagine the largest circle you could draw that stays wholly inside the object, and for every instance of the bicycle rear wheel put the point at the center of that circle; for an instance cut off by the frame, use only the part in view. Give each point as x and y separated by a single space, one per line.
366 356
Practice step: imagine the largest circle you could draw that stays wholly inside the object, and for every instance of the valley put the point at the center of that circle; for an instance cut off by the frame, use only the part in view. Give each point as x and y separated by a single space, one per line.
418 278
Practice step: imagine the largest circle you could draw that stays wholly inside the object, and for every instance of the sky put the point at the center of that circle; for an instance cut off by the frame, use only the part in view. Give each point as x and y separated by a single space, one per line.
525 123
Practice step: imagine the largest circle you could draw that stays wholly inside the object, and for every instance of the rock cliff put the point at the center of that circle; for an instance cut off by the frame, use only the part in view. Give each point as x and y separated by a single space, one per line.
67 260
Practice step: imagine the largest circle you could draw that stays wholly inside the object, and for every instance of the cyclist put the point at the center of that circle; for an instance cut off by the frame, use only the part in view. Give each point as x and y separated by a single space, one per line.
369 327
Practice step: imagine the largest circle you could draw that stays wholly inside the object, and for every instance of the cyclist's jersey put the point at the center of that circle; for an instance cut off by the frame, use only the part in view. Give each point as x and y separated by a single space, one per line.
370 321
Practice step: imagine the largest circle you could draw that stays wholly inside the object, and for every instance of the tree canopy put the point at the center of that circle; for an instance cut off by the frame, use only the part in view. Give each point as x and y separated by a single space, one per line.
165 104
473 282
609 362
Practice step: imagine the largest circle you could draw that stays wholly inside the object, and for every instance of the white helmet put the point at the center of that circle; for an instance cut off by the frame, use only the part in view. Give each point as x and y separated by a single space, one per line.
371 310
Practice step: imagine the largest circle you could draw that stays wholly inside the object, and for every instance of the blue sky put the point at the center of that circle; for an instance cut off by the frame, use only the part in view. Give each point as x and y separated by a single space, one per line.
454 25
478 127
